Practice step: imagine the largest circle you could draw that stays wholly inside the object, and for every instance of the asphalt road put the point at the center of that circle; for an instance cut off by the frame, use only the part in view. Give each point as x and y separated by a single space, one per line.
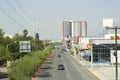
73 70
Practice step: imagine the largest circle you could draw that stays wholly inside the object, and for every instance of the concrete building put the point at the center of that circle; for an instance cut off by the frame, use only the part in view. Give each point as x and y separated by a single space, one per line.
74 28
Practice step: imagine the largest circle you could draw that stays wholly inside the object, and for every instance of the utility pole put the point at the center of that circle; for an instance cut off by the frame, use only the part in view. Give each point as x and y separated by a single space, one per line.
116 57
108 23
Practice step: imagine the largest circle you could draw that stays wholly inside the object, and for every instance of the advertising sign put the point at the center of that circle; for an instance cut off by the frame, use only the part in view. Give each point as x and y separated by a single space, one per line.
107 22
25 46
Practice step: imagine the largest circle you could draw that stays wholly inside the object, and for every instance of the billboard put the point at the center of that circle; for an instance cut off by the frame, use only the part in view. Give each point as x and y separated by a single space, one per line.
25 46
107 22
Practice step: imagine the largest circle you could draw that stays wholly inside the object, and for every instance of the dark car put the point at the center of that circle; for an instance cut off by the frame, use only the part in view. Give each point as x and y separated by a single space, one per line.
59 55
61 67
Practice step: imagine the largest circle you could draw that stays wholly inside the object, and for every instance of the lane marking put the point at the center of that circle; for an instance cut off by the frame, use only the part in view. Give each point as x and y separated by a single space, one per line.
67 72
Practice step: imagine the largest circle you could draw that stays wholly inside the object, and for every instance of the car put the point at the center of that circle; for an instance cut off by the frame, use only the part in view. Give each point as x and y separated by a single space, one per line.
59 55
61 67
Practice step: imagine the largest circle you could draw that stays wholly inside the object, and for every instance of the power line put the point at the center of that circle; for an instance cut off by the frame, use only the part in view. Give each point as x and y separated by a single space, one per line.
22 9
11 17
17 12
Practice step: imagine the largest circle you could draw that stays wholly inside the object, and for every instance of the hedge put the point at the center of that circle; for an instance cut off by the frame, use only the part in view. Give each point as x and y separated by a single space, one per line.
26 66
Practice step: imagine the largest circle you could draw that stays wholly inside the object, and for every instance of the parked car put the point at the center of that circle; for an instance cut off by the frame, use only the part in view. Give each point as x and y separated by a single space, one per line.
61 67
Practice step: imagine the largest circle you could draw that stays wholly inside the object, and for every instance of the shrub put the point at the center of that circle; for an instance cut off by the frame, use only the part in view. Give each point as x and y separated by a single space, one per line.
26 66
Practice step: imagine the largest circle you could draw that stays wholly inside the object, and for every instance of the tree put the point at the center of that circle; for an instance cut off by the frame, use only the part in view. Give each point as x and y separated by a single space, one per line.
16 37
6 41
1 36
4 54
1 33
25 33
14 50
38 46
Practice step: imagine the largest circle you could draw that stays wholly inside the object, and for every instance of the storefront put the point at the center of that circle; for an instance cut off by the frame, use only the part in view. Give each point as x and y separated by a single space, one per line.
101 50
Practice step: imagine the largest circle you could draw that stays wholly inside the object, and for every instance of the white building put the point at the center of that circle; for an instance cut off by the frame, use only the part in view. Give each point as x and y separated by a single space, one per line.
74 28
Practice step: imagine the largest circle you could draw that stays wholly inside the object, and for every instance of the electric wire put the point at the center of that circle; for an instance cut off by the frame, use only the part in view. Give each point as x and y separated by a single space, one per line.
11 17
22 9
17 12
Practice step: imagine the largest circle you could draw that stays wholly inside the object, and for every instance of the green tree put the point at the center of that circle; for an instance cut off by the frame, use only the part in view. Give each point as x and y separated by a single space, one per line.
16 37
25 33
4 54
1 33
41 45
14 50
6 41
1 36
38 46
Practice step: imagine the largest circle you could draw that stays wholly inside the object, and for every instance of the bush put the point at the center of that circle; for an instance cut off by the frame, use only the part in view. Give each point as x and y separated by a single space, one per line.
26 67
4 54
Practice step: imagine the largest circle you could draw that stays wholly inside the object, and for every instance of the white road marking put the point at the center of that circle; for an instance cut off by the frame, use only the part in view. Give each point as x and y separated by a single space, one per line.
67 72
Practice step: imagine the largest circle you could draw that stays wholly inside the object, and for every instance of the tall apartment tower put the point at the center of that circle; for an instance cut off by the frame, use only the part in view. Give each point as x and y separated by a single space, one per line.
74 28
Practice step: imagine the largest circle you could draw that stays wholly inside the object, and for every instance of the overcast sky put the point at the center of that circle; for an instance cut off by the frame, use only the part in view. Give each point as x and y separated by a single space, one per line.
46 16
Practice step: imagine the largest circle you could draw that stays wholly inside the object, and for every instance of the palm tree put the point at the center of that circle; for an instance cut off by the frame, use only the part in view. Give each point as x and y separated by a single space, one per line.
25 33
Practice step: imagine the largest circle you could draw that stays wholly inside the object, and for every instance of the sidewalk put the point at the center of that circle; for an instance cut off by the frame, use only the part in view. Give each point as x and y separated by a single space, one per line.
3 72
105 72
3 69
101 71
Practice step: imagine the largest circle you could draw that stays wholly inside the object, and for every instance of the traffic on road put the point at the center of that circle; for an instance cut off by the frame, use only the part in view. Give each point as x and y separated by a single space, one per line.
61 66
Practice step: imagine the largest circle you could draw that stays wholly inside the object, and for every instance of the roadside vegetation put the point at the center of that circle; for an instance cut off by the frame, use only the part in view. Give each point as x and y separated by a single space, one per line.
27 66
9 46
23 65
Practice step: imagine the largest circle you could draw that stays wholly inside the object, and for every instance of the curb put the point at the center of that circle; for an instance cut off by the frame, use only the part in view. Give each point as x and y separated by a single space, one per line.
94 74
39 71
91 71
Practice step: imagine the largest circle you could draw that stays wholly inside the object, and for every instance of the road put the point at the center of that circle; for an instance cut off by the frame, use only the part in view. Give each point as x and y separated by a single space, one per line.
73 70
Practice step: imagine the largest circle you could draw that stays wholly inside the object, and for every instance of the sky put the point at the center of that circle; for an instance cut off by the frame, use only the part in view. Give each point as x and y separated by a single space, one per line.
45 16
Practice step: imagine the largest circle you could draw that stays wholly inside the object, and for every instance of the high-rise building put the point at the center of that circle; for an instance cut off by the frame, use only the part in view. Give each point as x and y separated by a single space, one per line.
74 28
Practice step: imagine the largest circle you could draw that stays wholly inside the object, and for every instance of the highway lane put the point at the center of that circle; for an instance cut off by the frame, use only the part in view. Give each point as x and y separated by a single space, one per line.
73 70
